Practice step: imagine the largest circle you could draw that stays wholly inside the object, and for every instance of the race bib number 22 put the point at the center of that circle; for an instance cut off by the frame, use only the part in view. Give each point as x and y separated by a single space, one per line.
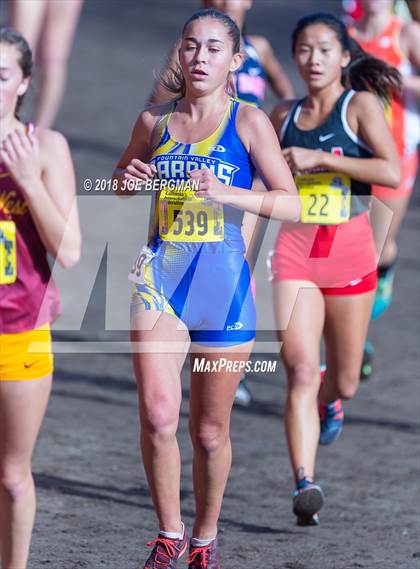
325 198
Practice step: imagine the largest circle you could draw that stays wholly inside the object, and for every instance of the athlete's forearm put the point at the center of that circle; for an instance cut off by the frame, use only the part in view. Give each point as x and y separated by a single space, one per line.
275 204
59 234
411 83
253 225
368 170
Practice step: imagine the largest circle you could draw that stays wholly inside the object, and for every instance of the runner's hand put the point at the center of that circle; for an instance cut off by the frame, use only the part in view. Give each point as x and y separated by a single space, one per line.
299 159
20 154
138 170
209 185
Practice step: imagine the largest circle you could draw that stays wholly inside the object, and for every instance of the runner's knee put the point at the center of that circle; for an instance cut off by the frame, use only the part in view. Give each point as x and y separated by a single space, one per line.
209 438
347 384
159 419
303 375
15 480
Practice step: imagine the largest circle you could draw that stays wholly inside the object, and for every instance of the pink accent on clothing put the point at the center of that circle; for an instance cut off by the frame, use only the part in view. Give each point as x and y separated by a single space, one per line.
330 256
253 85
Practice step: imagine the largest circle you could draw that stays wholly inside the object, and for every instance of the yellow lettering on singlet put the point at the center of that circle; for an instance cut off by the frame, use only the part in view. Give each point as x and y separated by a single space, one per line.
10 205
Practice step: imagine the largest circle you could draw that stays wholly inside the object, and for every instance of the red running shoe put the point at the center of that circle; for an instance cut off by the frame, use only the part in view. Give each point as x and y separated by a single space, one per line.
206 557
166 552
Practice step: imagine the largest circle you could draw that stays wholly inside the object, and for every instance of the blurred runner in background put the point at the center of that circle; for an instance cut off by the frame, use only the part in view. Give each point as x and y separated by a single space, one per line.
406 11
48 26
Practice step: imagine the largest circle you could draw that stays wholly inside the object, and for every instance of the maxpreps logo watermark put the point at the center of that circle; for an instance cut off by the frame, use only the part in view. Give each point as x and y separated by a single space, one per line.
203 365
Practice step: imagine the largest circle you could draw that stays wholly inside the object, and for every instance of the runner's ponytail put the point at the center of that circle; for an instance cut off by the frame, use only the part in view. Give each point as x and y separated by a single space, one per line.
368 73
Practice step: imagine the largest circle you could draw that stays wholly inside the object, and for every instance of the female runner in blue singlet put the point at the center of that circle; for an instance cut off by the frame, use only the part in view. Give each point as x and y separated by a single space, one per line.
191 280
248 83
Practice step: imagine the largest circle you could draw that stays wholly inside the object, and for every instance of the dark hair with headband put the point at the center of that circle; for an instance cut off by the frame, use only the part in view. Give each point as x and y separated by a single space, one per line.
364 72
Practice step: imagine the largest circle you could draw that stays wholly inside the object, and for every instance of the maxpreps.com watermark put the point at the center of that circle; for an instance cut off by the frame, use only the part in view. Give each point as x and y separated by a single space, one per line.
203 365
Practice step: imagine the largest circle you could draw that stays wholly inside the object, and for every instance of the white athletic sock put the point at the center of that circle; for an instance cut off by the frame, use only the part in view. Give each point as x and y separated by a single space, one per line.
173 535
201 542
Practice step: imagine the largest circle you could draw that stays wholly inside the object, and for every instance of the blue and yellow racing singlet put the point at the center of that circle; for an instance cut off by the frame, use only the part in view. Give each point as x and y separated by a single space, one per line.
181 218
194 266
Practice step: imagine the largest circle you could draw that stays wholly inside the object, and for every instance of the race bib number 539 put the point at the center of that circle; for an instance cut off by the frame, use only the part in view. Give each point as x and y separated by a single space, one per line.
7 252
185 217
325 197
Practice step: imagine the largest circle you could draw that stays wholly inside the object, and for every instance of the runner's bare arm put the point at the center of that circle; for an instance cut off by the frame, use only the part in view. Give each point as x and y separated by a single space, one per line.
41 164
367 119
250 226
279 114
62 236
276 76
133 165
410 44
251 223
